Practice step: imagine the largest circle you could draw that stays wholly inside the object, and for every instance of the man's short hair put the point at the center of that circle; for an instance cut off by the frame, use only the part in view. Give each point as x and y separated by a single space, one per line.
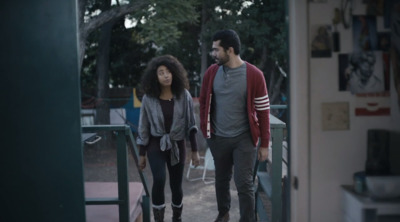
228 38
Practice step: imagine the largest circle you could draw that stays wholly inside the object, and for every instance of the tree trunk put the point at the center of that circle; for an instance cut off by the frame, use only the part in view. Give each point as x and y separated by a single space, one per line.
264 58
82 34
203 46
272 78
102 66
106 16
103 78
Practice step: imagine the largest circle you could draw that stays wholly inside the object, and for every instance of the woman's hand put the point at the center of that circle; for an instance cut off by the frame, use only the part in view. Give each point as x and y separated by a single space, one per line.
142 162
195 158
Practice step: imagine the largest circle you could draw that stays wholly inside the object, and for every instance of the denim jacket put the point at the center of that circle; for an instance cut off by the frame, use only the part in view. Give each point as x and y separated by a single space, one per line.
151 123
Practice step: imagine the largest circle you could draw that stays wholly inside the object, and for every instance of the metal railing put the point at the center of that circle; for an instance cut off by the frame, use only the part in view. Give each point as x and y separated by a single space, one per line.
271 182
124 135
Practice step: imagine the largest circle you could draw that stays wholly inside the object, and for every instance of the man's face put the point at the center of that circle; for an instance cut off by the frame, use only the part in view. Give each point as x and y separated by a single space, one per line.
219 54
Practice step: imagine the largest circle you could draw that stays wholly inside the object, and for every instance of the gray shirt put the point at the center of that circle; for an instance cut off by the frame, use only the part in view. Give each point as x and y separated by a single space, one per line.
229 117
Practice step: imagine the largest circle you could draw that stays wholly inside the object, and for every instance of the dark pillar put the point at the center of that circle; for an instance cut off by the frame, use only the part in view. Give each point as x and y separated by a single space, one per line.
41 169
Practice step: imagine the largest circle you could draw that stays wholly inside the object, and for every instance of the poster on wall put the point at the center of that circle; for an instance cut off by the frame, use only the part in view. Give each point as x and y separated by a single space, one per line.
365 36
335 116
321 41
395 46
362 72
372 104
386 70
344 72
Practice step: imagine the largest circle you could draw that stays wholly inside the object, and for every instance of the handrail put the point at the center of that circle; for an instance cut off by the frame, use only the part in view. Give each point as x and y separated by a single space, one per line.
270 182
124 134
135 153
279 106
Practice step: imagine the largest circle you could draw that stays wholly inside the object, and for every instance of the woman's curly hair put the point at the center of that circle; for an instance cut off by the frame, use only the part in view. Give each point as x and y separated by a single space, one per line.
150 84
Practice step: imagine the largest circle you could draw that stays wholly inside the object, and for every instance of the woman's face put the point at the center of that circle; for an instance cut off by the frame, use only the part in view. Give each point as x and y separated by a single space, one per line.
164 76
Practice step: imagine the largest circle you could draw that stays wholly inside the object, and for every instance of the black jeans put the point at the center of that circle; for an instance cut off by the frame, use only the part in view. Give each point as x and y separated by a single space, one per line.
159 161
237 153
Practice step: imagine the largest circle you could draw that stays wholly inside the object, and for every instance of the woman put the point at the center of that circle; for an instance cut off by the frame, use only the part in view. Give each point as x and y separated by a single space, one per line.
166 119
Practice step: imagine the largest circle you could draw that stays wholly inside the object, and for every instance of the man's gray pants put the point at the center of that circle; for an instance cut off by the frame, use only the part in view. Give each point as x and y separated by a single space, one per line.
237 154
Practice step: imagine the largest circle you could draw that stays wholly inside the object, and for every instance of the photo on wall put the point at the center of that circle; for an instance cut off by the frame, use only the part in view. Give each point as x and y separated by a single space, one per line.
365 36
386 70
395 47
362 72
321 41
344 74
335 116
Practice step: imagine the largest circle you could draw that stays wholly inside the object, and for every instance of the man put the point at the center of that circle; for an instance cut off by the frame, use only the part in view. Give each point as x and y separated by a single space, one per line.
234 115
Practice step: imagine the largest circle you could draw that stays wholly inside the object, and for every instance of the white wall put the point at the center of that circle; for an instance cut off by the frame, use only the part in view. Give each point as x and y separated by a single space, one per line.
324 160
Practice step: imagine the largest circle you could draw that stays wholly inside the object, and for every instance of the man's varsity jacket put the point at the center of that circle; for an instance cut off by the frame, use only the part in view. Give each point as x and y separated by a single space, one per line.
257 104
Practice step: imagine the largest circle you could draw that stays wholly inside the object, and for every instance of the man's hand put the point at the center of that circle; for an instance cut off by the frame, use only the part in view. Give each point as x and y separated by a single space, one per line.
142 162
262 153
195 159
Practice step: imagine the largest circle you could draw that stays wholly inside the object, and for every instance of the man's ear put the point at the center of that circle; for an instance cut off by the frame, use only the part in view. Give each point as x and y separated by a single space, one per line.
231 50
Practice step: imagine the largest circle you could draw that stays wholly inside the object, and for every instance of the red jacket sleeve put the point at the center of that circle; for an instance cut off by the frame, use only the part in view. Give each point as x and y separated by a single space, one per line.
259 101
205 97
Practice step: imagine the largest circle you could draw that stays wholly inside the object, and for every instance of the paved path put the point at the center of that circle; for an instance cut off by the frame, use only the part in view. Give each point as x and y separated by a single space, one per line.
199 198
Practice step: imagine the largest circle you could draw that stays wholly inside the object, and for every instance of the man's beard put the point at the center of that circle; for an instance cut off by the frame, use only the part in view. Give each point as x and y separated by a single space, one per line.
222 60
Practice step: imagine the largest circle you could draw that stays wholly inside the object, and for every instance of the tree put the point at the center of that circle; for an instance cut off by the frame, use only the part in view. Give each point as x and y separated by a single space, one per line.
128 57
157 18
95 22
261 25
162 28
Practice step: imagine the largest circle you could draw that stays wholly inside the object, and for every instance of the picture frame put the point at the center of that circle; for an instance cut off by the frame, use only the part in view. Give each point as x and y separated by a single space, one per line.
321 41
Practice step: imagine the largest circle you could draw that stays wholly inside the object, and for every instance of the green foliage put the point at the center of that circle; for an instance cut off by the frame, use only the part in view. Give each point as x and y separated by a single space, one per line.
174 27
128 58
259 23
159 21
88 72
186 49
263 24
132 48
